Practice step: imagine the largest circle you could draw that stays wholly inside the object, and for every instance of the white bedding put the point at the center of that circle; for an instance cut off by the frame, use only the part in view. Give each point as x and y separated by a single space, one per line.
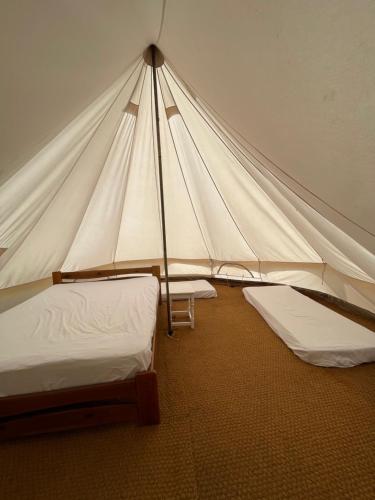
78 334
202 289
315 333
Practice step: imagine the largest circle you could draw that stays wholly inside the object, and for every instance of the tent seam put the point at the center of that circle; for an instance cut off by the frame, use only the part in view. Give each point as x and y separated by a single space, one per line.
239 162
216 187
154 156
128 172
287 175
185 182
164 8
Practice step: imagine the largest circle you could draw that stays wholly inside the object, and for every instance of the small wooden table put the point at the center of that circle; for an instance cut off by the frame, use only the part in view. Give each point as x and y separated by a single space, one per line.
182 291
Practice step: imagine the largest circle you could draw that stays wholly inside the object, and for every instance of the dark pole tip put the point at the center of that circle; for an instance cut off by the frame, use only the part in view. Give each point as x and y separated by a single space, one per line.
158 55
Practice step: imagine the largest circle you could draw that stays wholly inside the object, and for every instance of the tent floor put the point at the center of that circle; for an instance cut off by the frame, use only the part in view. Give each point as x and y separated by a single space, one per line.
242 417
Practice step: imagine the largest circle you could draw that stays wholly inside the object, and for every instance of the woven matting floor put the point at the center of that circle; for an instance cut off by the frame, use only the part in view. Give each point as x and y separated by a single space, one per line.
242 417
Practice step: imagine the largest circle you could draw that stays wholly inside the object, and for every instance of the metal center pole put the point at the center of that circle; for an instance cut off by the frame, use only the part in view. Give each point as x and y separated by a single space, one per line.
165 255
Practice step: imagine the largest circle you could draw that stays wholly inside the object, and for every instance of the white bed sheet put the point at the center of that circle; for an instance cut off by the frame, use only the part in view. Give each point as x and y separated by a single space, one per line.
78 334
202 289
315 333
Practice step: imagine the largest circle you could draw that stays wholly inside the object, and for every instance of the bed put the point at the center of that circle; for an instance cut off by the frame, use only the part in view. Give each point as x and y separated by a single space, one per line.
313 332
81 353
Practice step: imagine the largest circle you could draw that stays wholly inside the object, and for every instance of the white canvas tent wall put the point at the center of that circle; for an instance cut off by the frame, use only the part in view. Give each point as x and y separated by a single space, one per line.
258 165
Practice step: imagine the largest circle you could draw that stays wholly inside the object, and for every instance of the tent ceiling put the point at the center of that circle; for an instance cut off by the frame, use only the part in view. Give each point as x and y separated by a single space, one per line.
295 79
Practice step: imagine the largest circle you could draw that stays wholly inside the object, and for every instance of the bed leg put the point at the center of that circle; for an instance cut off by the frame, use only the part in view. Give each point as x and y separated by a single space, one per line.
147 398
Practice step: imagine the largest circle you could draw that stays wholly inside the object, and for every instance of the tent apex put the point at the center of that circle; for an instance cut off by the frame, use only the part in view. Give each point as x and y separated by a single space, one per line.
147 56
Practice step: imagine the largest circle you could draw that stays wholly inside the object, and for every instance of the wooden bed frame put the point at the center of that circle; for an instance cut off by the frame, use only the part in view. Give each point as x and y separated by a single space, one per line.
130 400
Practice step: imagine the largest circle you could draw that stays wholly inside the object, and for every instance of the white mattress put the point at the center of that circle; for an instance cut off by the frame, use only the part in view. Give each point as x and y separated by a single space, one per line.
315 333
202 289
78 334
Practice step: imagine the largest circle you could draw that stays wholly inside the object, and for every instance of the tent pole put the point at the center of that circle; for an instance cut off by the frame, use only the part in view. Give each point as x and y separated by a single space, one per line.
161 187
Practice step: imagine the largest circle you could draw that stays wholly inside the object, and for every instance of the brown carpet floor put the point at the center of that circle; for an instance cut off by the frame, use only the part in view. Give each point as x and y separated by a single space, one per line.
242 417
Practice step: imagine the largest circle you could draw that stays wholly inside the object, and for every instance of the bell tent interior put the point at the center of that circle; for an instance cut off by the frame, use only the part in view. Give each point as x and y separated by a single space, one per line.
200 149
